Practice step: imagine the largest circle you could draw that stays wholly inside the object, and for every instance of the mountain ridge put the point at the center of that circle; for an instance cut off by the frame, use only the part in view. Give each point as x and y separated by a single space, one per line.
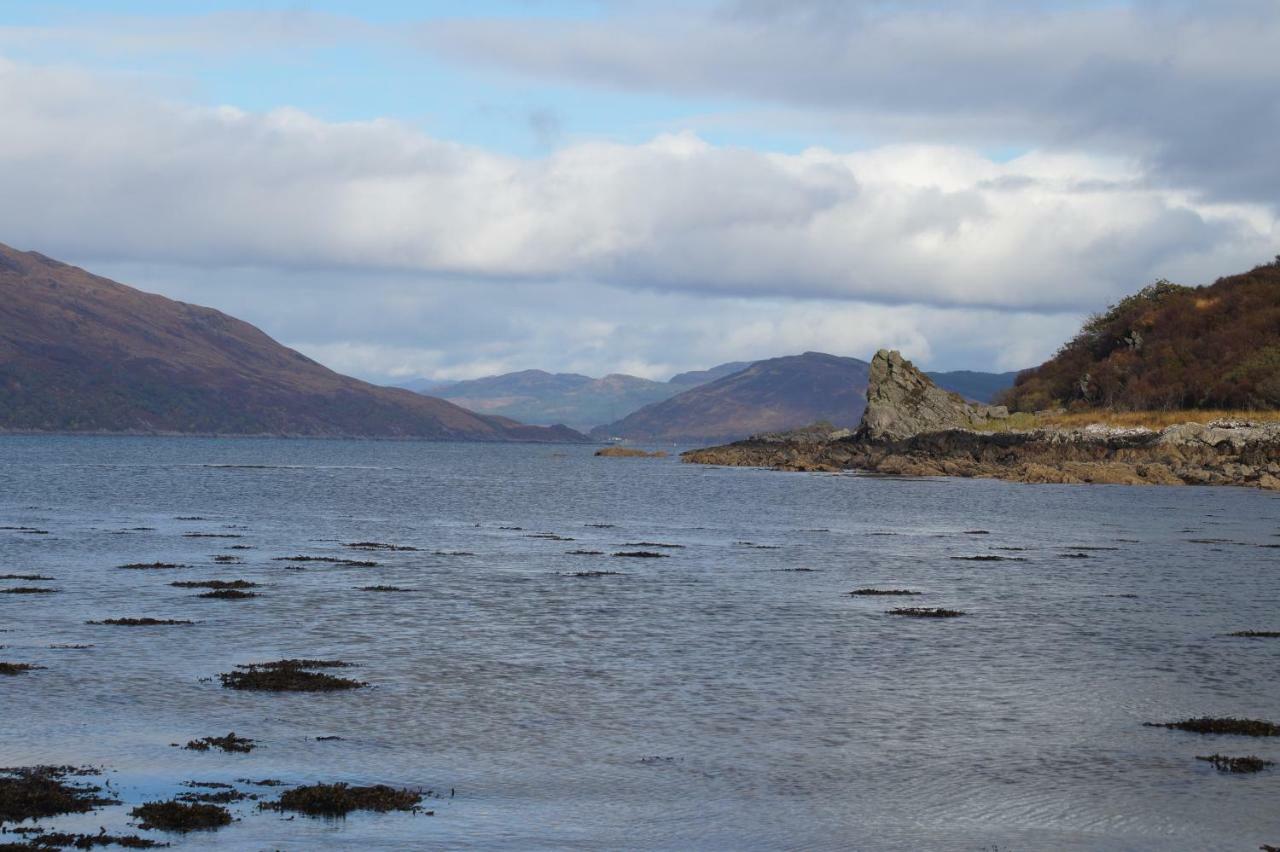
82 353
773 395
541 397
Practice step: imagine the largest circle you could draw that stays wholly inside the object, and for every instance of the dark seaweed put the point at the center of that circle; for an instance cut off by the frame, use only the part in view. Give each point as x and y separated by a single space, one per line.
289 676
141 622
17 668
175 815
227 595
229 743
1236 765
214 584
33 792
926 612
1212 725
336 800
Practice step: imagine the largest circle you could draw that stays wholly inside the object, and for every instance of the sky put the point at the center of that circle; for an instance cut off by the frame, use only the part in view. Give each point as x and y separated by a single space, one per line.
451 190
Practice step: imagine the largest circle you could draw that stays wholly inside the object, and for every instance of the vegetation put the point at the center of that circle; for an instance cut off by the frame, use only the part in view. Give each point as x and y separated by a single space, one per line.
342 799
174 815
141 622
229 743
289 676
1236 765
17 668
1211 725
630 453
1145 419
33 792
39 839
926 612
1169 348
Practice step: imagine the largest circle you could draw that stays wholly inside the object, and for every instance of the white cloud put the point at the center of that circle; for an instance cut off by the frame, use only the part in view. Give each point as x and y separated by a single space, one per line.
1189 87
95 169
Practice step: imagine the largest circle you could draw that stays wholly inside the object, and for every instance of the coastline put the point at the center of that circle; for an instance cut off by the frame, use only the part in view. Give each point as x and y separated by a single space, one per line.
1219 453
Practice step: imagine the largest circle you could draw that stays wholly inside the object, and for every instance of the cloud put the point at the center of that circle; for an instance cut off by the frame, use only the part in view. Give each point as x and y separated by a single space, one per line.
1188 87
95 169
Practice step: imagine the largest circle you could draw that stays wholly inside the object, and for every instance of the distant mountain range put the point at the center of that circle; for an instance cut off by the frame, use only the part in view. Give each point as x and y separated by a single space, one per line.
536 396
80 353
768 396
723 403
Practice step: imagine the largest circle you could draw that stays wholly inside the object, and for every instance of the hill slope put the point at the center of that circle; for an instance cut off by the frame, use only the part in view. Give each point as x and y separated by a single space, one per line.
773 396
536 396
768 396
81 353
978 387
1169 347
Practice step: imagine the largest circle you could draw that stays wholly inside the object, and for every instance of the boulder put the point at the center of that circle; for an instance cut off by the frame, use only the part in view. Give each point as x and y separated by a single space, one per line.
903 402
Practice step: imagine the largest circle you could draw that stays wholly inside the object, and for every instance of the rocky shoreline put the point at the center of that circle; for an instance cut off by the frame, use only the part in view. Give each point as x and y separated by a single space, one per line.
910 429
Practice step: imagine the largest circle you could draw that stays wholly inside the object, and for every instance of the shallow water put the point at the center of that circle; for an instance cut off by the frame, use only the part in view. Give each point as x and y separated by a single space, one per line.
713 699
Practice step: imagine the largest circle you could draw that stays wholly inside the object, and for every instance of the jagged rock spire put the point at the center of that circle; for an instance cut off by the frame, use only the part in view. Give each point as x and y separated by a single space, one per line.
902 401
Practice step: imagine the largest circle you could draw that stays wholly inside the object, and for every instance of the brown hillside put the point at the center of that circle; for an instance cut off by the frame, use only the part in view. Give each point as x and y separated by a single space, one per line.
1170 347
81 353
768 396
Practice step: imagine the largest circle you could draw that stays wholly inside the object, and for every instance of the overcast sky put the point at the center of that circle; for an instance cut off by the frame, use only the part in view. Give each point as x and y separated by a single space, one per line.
449 190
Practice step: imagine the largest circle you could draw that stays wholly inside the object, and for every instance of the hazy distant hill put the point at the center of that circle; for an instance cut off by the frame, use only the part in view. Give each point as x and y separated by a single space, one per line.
773 395
82 353
1170 347
979 387
536 396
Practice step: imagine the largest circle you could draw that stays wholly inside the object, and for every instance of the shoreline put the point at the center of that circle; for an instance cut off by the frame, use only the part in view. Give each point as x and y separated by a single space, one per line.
1222 453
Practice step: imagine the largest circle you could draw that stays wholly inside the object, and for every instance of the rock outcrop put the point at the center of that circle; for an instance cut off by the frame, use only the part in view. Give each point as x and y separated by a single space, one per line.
900 435
902 401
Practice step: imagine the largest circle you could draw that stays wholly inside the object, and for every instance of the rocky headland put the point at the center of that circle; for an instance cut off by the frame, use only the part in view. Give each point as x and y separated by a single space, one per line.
913 428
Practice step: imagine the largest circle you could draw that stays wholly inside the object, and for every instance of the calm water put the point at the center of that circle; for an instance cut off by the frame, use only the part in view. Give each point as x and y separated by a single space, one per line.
714 699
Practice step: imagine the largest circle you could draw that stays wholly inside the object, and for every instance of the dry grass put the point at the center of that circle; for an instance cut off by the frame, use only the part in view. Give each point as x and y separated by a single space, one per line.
1128 419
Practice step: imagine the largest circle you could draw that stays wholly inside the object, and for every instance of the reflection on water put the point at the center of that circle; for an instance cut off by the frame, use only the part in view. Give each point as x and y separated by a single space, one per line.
715 696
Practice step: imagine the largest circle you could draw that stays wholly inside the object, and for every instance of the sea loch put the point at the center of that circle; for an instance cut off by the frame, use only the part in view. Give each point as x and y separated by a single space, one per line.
728 694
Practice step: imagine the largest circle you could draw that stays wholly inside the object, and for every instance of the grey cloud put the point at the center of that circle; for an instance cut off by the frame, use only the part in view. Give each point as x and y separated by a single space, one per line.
1191 88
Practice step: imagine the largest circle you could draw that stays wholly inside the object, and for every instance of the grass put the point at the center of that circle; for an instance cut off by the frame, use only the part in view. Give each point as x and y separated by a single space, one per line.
1125 419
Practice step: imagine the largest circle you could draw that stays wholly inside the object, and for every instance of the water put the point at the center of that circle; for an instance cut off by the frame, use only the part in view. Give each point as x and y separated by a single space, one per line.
713 699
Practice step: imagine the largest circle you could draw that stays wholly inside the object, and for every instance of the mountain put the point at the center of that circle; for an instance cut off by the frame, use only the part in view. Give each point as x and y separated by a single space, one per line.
978 387
430 387
536 396
769 396
1169 347
80 353
693 378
